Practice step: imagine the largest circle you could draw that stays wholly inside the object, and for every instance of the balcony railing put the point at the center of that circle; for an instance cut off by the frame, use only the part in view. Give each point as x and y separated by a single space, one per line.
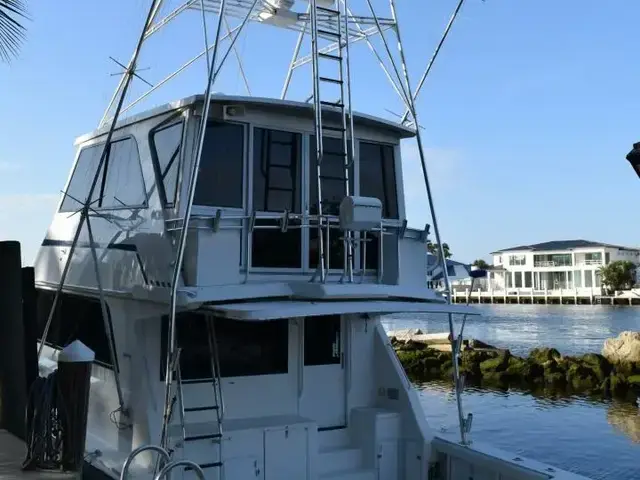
550 263
591 262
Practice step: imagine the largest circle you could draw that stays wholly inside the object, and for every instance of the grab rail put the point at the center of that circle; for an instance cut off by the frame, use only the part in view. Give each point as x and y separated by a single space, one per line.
187 463
127 463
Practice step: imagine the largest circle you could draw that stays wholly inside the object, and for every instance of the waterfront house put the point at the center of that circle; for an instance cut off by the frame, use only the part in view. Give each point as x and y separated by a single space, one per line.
456 271
554 265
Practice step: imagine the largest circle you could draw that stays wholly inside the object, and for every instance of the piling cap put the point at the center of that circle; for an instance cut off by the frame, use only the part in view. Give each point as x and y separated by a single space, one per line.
76 351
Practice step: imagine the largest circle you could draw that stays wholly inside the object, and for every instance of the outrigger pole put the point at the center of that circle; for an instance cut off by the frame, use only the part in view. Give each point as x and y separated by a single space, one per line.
87 208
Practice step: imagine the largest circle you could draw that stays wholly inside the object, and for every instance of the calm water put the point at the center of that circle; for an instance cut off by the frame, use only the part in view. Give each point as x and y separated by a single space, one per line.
600 440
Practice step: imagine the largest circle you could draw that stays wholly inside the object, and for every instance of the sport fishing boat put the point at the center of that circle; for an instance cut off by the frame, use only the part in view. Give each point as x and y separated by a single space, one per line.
228 260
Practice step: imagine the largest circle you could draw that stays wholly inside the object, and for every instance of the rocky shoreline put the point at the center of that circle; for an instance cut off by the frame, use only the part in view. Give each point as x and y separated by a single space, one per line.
544 370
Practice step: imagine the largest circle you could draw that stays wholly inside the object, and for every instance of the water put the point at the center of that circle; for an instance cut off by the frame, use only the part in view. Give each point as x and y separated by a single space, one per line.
598 439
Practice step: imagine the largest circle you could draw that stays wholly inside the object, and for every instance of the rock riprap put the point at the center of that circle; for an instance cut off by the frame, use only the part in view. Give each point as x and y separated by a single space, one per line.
544 370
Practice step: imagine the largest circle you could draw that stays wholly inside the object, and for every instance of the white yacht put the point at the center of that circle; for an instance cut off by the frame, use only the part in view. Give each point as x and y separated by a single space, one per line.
228 259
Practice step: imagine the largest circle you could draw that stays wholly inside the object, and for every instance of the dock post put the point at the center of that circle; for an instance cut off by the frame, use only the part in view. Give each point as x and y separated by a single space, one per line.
13 380
546 296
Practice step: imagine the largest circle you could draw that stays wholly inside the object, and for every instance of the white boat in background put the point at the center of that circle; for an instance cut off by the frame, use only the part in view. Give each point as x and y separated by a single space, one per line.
229 259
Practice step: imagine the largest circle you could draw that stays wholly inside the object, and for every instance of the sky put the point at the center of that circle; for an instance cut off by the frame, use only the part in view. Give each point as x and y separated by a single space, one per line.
527 114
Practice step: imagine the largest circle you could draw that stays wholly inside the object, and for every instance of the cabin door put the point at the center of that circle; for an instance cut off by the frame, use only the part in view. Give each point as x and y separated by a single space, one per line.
323 393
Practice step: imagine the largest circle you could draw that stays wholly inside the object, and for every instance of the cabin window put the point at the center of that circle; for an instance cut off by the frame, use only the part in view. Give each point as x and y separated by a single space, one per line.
82 178
322 345
166 143
378 176
75 318
333 184
333 192
244 348
220 177
121 187
276 187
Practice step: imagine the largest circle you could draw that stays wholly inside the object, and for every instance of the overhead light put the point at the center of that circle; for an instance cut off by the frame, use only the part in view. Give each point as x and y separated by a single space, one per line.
634 158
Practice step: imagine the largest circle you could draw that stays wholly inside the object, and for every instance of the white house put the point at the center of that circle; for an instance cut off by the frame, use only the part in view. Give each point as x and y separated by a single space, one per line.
554 265
456 271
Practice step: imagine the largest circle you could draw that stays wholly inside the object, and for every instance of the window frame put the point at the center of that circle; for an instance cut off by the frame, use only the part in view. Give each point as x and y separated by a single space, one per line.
58 348
166 124
207 210
163 344
100 208
397 164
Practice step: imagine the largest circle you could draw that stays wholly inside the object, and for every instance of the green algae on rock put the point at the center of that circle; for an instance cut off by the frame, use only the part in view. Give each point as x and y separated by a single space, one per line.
543 370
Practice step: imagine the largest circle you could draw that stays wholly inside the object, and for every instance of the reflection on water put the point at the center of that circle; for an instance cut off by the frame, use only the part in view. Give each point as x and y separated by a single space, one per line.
598 439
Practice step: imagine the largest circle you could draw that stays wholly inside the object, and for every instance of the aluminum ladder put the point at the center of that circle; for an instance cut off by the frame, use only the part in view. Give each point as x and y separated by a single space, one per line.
216 405
334 29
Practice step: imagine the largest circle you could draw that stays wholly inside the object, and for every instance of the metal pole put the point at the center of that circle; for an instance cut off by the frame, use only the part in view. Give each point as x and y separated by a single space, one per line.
108 325
433 57
317 107
296 52
442 259
352 144
185 227
127 80
174 74
237 55
153 11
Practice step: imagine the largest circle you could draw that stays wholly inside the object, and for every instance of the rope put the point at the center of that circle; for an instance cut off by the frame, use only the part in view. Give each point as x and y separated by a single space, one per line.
46 422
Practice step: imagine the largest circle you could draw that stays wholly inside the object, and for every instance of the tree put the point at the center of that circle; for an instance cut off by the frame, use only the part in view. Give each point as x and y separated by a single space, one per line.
435 250
619 275
11 28
481 264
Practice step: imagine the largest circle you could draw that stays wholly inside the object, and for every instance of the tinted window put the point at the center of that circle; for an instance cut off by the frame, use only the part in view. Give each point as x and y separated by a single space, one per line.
166 145
81 179
244 348
276 171
271 247
220 177
322 340
378 176
75 318
123 185
333 184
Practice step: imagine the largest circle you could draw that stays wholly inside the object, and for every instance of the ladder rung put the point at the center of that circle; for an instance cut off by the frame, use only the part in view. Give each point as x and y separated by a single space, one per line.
281 189
201 409
333 129
330 56
329 33
328 10
331 104
205 465
207 436
331 80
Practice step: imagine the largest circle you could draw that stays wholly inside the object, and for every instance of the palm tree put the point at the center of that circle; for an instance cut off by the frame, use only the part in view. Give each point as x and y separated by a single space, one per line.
11 28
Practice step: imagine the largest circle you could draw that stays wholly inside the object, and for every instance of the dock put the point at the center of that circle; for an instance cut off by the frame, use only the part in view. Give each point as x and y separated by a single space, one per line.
548 297
12 454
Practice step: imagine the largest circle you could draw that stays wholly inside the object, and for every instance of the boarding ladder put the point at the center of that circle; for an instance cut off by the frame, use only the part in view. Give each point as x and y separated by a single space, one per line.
214 436
331 24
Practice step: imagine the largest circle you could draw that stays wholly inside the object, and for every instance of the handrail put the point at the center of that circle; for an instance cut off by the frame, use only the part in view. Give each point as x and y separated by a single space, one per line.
187 463
127 463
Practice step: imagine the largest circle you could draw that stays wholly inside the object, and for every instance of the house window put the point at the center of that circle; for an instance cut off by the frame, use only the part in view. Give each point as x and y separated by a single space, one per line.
166 143
244 348
378 176
75 318
277 160
577 279
528 282
121 187
220 177
588 278
517 259
517 276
